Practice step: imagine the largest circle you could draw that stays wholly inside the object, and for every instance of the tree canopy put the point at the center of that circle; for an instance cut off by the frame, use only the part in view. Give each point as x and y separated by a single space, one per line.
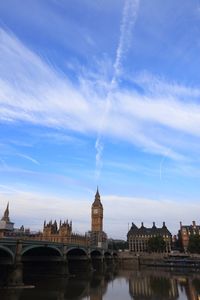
156 244
194 244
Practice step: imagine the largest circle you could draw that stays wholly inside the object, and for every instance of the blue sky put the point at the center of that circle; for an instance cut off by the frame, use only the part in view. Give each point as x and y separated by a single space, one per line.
100 93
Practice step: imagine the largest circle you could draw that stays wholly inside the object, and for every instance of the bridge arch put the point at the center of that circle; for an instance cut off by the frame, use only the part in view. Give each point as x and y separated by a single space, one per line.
76 251
107 254
77 260
41 250
6 252
95 253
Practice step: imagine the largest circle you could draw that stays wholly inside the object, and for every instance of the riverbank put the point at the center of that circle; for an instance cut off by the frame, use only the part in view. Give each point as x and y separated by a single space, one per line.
131 260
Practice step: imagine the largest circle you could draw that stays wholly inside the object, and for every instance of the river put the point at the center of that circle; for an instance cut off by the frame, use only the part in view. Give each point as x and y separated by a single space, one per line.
152 284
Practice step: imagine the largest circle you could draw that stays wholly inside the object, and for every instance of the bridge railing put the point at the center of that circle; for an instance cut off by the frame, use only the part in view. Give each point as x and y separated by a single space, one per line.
75 239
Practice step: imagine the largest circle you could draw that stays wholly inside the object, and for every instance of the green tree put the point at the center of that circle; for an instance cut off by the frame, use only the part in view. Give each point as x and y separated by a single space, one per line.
117 244
156 244
194 243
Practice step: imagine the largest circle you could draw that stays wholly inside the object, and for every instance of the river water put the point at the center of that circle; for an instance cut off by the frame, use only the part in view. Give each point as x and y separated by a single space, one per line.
153 284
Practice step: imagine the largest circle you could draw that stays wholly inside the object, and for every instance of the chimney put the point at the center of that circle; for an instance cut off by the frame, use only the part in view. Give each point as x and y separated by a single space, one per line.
193 223
181 225
164 224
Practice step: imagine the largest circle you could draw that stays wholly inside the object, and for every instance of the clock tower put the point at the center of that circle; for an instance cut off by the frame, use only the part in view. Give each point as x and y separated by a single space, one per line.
97 214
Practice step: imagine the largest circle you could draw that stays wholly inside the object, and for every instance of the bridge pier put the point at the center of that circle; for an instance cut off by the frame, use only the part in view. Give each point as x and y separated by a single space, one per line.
89 265
98 264
65 265
109 262
15 275
15 271
80 266
64 269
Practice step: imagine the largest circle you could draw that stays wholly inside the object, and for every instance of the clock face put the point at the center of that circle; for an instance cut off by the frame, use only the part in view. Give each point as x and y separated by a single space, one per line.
95 211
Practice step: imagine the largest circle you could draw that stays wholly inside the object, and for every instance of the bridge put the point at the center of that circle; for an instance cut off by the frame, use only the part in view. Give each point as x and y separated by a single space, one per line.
19 257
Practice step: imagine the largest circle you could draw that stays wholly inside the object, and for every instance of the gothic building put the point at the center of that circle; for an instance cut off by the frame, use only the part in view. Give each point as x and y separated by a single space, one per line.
62 233
55 233
138 237
98 237
7 227
5 224
185 231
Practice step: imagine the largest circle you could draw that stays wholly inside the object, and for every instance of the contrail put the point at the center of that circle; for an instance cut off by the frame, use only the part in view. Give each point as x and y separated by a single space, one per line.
166 154
128 20
28 158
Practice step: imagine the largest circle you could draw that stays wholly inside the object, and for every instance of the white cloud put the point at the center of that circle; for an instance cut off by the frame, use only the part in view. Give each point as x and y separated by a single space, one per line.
119 211
32 209
162 110
32 91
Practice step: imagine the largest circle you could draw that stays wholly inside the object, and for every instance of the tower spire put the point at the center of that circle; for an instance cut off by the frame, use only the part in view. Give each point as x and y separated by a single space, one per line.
97 200
6 214
97 192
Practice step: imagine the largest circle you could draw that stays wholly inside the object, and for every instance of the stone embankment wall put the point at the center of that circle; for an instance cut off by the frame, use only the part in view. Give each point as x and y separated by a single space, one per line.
131 260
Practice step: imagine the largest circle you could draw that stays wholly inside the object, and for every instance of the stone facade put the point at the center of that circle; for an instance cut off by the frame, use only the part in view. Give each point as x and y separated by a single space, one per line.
5 224
184 233
62 233
51 232
138 237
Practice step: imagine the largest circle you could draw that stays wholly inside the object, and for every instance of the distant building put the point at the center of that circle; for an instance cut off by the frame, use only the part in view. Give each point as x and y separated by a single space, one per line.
61 232
57 233
5 224
138 237
97 236
184 234
7 227
51 232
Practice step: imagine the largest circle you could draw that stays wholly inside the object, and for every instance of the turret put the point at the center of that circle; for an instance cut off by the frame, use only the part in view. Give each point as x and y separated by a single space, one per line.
5 223
6 214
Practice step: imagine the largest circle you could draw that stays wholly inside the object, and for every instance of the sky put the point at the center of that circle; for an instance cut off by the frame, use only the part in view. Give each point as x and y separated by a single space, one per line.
100 93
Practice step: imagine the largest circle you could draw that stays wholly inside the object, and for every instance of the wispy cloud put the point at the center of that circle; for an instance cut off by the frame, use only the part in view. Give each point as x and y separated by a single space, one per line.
155 210
30 208
128 19
32 91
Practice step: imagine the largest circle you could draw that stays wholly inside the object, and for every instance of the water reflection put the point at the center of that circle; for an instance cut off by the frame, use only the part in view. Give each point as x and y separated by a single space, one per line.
162 285
138 285
153 284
